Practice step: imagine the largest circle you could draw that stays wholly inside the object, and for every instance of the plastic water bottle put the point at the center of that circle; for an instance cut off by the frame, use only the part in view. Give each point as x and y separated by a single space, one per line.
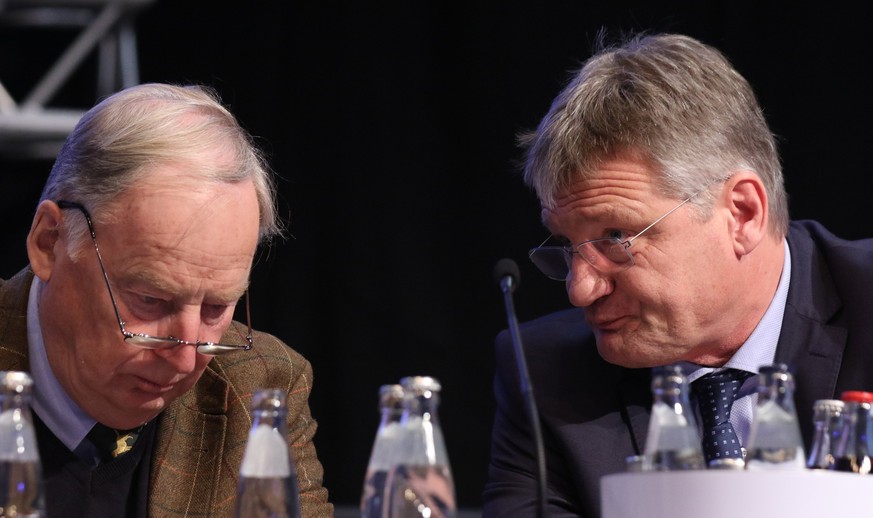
775 442
268 479
21 488
421 484
673 441
384 456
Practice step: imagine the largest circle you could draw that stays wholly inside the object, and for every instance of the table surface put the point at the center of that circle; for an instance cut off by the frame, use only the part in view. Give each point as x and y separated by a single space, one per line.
759 494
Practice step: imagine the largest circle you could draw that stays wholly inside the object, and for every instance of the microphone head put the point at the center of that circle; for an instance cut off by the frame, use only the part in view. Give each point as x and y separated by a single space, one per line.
507 268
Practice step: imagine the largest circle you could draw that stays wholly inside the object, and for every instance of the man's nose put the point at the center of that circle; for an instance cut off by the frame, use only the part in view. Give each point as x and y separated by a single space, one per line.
586 284
187 327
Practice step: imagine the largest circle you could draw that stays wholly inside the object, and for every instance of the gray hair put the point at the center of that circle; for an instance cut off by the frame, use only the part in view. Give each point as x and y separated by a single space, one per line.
668 99
115 144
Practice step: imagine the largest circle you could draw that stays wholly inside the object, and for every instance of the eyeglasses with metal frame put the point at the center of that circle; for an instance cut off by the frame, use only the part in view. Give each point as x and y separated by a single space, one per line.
608 255
155 342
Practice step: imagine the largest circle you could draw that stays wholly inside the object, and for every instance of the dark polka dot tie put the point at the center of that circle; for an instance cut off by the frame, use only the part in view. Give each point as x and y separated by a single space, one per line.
715 395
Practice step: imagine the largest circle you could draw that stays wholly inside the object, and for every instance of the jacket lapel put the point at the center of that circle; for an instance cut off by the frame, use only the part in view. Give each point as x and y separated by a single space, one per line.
814 351
811 341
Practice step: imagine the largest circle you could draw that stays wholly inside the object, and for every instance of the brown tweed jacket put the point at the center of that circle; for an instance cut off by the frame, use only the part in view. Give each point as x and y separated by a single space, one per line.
202 435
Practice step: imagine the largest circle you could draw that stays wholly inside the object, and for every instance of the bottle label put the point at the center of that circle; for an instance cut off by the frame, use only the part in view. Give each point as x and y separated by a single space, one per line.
266 454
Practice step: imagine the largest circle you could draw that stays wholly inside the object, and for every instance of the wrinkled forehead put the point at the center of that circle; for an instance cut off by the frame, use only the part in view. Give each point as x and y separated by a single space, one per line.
596 169
623 174
201 238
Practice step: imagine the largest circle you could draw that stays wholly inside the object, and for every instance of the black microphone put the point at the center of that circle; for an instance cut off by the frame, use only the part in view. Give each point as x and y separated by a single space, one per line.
506 275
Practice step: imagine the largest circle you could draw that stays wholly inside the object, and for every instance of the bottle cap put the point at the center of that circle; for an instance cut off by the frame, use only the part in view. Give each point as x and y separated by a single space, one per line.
16 381
778 374
774 368
390 396
857 396
420 385
667 379
268 399
666 370
829 405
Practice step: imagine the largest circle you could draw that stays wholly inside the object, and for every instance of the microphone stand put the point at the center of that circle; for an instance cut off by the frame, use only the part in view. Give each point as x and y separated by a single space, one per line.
507 286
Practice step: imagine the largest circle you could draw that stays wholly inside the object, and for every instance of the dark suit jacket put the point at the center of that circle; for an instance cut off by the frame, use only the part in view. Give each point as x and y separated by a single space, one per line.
595 414
202 435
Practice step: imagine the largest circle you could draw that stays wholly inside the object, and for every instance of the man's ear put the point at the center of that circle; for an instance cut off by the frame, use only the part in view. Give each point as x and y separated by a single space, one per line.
42 240
746 199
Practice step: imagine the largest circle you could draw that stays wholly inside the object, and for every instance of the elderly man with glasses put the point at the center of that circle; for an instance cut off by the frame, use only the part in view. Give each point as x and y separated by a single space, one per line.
140 248
662 191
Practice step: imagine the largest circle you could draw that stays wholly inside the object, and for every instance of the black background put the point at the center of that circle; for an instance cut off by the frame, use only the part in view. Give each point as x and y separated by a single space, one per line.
392 129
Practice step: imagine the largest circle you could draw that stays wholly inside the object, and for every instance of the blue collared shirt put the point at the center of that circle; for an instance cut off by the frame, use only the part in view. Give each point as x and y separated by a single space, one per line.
67 421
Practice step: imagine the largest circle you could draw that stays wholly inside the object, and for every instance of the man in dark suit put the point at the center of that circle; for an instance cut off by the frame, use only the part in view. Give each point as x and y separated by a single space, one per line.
139 250
660 183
